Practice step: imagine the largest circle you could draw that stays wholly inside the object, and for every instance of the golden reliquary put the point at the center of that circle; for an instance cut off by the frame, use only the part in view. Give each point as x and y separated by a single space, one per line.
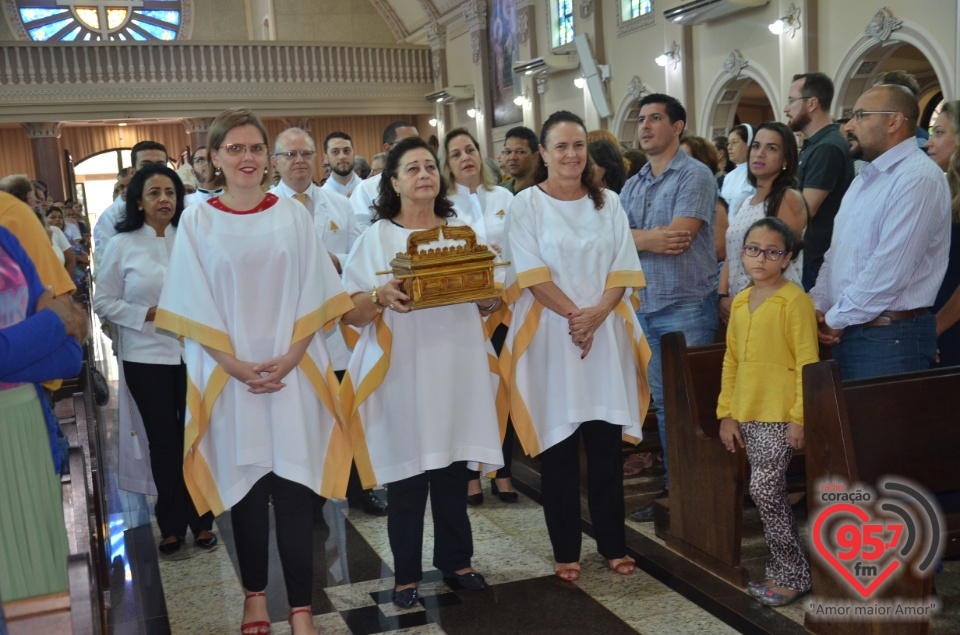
447 274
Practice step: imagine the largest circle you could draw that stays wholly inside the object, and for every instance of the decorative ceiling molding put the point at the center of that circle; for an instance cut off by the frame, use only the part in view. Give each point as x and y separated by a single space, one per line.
475 15
105 101
390 17
197 124
636 88
882 26
43 129
734 63
586 9
436 35
431 11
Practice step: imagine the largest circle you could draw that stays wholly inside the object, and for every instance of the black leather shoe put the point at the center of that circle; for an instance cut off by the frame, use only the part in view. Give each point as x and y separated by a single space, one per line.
475 499
472 581
370 503
406 598
207 543
166 548
506 497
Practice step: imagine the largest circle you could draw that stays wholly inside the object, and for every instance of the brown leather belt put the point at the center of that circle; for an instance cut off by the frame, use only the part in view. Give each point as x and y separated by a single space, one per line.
889 317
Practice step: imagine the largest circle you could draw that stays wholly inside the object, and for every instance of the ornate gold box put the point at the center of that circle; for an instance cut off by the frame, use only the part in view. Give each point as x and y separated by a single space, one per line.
445 275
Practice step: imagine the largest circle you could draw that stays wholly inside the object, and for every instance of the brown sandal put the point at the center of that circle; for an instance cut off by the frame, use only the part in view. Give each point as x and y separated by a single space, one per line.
569 571
624 566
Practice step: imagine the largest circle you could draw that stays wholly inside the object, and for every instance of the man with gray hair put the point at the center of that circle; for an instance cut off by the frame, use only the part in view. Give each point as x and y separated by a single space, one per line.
377 163
360 167
295 159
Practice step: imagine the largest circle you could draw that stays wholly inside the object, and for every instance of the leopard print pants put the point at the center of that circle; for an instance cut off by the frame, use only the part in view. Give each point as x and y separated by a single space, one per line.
769 454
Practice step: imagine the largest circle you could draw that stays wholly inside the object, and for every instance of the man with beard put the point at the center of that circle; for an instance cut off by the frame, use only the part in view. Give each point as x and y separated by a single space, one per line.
890 246
825 169
338 153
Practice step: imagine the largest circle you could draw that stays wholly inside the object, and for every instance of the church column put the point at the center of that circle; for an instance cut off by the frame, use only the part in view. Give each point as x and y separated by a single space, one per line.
475 15
437 37
527 35
197 129
304 123
48 157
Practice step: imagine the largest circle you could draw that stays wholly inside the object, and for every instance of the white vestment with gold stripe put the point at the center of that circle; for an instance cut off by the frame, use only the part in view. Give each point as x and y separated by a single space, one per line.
584 251
251 285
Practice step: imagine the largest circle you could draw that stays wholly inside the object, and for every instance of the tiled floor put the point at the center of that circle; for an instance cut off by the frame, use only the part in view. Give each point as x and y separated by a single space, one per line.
200 593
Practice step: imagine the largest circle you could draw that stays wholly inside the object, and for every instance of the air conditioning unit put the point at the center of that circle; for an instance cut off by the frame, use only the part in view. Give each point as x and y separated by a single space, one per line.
700 11
547 64
450 94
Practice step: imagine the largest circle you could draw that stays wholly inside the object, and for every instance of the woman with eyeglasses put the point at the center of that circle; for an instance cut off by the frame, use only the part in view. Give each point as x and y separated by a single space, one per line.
250 288
773 172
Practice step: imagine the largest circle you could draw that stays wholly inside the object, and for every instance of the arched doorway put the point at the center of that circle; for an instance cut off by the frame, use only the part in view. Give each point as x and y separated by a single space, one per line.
97 174
907 47
742 92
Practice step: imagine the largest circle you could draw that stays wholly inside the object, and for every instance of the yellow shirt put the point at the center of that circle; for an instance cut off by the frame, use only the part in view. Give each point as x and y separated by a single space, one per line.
766 350
17 216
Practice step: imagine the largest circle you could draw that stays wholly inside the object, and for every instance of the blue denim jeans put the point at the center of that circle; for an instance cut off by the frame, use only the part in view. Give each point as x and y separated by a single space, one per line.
697 320
902 347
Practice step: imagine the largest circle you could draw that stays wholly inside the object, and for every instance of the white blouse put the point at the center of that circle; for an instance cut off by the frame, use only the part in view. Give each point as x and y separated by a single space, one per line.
129 282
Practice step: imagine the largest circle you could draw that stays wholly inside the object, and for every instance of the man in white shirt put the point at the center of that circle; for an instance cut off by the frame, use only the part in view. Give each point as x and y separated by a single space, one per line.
142 153
338 154
376 164
363 197
200 163
295 159
891 240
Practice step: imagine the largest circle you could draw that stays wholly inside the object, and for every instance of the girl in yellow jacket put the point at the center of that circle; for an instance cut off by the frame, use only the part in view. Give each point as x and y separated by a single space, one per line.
771 336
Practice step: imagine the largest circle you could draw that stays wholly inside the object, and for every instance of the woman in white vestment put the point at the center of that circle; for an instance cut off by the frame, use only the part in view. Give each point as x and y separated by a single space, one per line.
484 206
575 358
249 288
736 186
420 390
129 281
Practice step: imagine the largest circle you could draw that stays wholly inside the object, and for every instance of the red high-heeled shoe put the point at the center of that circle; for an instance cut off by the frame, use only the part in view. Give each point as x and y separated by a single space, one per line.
255 628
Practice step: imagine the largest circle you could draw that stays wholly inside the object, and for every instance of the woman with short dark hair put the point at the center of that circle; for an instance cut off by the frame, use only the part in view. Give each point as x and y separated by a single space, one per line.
129 283
419 392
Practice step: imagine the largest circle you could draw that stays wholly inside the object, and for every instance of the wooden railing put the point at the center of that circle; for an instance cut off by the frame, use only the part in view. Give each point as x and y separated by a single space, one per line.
176 62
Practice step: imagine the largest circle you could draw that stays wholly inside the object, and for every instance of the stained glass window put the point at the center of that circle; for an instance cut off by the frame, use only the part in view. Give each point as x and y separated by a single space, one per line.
563 27
100 20
640 7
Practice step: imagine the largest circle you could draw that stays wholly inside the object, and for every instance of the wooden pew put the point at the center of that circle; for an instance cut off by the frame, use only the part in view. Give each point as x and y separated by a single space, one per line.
703 518
903 425
69 613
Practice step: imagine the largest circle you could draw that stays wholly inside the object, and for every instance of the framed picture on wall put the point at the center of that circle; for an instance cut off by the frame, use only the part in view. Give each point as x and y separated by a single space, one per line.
504 44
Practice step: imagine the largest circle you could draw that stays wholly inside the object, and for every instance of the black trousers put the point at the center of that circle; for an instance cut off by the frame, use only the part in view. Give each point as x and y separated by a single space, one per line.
453 539
160 391
560 482
293 513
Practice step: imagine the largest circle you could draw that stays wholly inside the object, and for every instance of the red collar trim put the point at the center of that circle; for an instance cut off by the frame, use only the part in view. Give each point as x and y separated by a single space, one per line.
268 201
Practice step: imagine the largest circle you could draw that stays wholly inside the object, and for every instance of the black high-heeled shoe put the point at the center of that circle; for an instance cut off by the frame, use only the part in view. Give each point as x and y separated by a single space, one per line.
506 497
475 499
